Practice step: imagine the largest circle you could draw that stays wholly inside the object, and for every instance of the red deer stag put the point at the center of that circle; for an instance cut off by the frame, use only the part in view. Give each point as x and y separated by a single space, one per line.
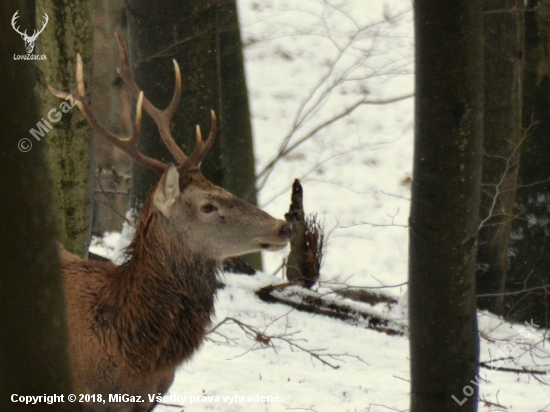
131 325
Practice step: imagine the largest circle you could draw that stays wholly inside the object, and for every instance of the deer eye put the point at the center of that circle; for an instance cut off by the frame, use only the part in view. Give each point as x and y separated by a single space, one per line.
208 208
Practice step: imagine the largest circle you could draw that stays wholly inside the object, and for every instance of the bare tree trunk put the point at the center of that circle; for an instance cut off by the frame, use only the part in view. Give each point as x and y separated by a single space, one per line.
68 32
237 149
236 133
33 339
503 56
445 205
113 166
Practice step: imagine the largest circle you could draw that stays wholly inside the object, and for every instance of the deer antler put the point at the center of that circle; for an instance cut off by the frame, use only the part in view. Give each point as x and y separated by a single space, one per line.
201 148
162 118
127 144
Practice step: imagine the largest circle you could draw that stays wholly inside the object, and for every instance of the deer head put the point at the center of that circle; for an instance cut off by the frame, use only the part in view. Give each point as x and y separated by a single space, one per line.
29 40
207 219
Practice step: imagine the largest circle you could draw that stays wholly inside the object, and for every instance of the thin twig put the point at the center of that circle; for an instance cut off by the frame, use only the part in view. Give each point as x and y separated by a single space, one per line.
261 338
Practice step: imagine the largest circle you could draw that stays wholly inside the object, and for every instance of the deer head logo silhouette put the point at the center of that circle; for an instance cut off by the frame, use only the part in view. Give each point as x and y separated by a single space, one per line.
29 40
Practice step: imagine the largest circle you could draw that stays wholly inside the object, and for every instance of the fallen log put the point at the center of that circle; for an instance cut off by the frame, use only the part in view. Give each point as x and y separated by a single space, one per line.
354 313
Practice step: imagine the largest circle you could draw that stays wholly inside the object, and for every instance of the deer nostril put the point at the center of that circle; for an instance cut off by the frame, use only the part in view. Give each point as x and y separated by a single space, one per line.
286 231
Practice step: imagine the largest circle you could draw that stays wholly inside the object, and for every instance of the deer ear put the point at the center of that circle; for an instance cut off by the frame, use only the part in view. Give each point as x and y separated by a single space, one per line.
168 190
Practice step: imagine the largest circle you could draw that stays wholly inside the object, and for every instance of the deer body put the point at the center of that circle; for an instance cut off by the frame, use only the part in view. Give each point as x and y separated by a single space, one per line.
106 356
130 326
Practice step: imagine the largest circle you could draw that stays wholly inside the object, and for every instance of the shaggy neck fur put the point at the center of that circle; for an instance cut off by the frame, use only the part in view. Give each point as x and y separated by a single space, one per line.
161 300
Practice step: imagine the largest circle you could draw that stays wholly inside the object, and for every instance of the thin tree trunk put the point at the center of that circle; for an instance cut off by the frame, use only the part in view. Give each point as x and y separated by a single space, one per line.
503 56
236 133
110 106
237 149
445 205
33 338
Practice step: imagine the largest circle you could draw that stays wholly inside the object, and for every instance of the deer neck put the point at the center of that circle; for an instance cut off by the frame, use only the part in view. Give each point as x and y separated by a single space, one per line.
162 299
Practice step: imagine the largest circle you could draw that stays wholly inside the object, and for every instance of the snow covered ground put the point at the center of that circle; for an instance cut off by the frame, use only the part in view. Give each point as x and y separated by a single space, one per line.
309 61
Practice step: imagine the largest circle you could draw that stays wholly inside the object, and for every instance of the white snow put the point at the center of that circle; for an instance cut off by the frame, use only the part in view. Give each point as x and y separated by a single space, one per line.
355 173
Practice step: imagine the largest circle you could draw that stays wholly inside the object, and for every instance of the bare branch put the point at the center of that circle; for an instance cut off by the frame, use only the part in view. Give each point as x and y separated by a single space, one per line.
260 338
510 163
487 365
518 292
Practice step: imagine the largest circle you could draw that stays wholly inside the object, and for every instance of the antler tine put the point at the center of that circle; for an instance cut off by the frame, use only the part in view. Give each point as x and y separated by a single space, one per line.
161 117
127 144
201 149
213 130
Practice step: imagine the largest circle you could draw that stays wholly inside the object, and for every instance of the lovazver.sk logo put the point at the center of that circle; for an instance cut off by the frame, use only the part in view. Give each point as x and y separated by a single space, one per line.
29 40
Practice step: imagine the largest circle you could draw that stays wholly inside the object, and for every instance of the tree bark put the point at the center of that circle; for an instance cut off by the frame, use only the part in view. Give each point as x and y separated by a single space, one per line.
445 205
68 33
503 78
33 337
113 108
236 143
236 131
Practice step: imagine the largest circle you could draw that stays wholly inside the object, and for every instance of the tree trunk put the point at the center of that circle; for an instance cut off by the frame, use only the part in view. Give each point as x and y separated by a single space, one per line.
236 130
33 337
445 205
68 33
113 166
503 76
237 149
529 257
